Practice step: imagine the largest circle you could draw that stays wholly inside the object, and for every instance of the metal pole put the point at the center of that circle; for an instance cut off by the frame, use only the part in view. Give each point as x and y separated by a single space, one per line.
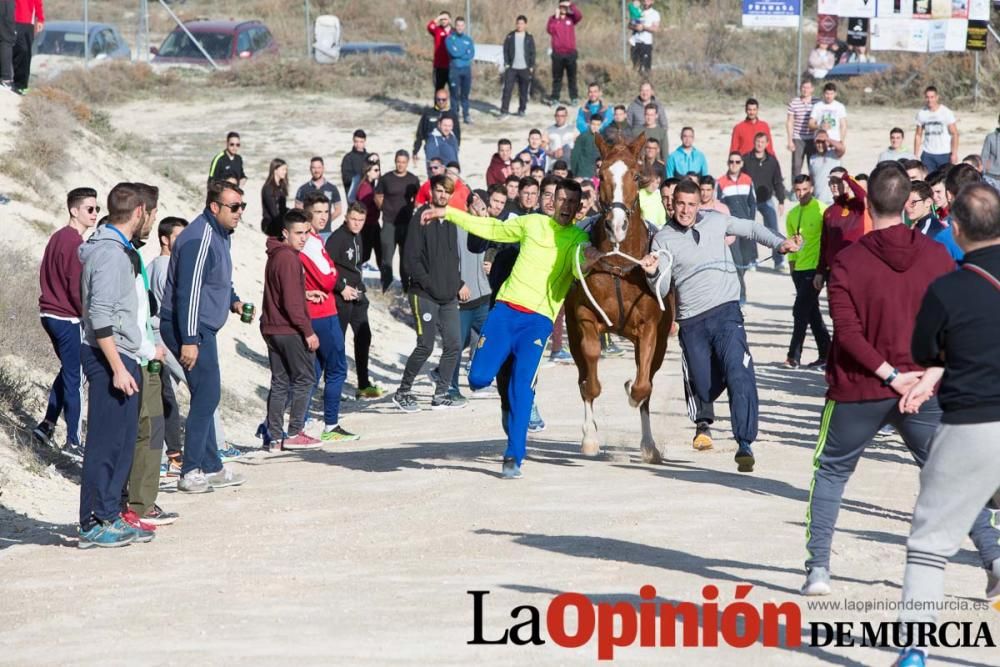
624 34
798 51
308 31
975 90
468 17
190 36
86 33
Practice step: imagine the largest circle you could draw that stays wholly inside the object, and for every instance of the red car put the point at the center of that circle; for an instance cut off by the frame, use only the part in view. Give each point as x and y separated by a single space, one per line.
225 41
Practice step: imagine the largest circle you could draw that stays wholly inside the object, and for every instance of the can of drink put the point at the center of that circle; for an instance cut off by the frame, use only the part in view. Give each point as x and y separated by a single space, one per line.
247 315
154 367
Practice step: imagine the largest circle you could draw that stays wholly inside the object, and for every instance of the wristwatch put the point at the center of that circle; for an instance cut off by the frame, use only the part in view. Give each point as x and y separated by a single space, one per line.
890 377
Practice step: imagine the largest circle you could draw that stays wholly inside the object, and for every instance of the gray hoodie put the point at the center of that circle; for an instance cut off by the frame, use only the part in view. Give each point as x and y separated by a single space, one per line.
471 269
108 292
991 154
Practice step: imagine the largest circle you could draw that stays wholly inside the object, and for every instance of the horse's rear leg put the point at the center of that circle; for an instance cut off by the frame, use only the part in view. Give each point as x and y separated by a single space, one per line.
590 389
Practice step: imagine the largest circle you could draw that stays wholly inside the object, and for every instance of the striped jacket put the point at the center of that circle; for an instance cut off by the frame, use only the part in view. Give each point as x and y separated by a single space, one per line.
738 195
199 292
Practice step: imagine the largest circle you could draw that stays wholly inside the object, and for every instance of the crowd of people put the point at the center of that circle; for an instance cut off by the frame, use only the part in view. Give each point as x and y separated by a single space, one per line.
486 267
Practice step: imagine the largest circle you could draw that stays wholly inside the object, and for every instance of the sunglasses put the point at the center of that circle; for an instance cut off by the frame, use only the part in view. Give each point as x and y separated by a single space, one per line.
436 167
235 145
242 206
93 209
440 99
736 162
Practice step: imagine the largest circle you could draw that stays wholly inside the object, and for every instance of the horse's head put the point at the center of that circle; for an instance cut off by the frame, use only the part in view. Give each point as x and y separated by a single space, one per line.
619 192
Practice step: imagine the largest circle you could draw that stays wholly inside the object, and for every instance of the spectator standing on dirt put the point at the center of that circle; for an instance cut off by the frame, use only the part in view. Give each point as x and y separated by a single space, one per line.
442 144
562 29
642 39
954 338
229 162
825 157
872 365
935 141
352 167
585 154
436 287
110 358
991 153
829 114
735 189
429 121
371 235
744 132
618 129
60 311
765 171
344 248
895 150
29 20
331 357
500 167
317 182
686 159
197 301
287 330
800 136
461 52
637 110
274 197
439 29
843 222
7 38
394 196
559 138
805 222
519 66
594 105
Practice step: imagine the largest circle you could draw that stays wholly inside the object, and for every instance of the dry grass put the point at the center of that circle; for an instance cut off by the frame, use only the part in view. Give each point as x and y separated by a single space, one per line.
695 36
45 130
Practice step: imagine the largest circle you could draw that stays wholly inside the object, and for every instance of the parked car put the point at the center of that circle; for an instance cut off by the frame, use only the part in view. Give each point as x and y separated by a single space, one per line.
226 42
65 38
851 70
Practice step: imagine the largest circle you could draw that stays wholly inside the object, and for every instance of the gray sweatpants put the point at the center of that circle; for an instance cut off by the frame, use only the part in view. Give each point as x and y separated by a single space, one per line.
845 431
961 475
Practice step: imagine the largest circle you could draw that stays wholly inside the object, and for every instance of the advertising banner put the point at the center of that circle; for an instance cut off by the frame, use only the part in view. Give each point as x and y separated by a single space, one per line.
771 13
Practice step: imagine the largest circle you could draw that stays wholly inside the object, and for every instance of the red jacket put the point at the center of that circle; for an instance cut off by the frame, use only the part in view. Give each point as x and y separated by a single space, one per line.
459 198
876 288
743 134
497 171
321 276
284 311
59 275
563 31
29 11
843 224
441 57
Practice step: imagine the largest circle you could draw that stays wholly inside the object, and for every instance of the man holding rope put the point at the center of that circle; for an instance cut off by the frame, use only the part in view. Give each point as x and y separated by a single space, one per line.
691 252
528 301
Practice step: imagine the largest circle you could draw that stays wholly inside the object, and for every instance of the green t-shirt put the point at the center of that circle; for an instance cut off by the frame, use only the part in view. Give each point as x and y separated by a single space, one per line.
808 221
545 267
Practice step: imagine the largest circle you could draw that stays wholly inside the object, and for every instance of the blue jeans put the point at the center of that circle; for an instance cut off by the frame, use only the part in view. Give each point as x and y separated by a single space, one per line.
715 348
512 333
473 318
460 85
112 426
66 394
933 161
331 364
205 384
770 213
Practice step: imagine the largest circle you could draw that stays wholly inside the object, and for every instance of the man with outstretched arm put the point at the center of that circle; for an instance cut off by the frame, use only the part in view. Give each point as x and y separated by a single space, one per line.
528 301
714 343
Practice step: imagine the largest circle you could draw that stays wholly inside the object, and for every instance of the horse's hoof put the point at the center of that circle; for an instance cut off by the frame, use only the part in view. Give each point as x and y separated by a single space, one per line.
651 455
590 447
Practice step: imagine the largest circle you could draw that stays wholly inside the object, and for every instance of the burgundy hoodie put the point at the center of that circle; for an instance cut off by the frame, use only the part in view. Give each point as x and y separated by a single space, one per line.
59 275
876 287
284 311
495 173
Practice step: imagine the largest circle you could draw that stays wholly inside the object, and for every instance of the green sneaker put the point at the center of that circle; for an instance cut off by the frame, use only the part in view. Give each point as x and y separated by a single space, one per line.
370 392
338 434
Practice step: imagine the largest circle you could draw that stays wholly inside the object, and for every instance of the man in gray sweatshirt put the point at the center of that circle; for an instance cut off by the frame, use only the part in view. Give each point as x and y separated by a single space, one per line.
698 265
113 346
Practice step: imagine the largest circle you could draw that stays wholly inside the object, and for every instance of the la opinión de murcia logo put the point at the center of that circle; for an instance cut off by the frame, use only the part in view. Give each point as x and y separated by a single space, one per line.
571 620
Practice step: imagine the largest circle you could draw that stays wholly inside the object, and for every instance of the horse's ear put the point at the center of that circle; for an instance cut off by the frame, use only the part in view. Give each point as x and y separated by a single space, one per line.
602 146
636 146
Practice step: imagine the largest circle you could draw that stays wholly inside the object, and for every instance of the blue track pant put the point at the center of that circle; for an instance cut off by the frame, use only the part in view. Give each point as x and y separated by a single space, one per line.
66 395
522 336
331 364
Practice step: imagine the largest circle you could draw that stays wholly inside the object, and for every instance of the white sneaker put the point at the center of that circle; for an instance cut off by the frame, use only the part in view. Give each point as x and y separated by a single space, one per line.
194 482
993 580
817 582
224 478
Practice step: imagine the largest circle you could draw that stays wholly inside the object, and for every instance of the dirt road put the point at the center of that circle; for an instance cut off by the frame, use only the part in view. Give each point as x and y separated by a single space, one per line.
364 553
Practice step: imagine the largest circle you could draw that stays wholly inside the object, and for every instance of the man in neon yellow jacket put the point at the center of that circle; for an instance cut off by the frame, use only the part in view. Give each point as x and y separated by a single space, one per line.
528 301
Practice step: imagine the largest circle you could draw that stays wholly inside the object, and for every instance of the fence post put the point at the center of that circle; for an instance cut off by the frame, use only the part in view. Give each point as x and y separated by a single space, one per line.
86 33
308 31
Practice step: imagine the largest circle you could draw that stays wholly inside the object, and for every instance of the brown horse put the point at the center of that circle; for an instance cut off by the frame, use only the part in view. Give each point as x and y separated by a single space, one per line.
619 287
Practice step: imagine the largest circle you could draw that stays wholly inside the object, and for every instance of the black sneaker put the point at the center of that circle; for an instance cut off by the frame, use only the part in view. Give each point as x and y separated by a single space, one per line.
73 451
744 459
405 401
819 364
43 433
448 402
702 437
